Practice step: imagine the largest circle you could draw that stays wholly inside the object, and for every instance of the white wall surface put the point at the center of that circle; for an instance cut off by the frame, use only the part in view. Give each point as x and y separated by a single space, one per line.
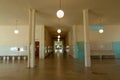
48 42
79 33
97 40
38 32
7 36
48 38
10 42
111 33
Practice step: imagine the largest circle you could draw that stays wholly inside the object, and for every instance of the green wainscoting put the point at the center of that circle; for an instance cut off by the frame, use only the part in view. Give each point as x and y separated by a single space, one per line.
79 50
96 27
116 48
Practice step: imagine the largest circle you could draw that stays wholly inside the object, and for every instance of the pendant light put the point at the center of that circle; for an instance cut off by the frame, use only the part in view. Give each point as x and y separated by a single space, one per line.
60 12
58 30
58 39
101 30
58 36
16 31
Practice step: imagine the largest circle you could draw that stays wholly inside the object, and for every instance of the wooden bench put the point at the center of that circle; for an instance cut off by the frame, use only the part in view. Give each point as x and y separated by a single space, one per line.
13 57
102 53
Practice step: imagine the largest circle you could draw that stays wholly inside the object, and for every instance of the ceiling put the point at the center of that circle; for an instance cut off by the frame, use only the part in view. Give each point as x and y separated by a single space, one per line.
12 10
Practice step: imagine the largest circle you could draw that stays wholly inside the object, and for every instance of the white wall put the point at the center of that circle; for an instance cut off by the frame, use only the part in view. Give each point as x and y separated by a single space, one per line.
48 38
8 39
104 40
38 32
48 42
7 36
111 34
79 33
10 42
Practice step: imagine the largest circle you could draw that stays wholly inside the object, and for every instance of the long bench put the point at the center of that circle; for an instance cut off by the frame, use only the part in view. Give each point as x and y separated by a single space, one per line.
13 57
13 52
102 53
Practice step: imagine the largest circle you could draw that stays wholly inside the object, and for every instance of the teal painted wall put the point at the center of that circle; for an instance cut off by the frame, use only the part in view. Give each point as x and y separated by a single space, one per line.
116 48
96 27
79 50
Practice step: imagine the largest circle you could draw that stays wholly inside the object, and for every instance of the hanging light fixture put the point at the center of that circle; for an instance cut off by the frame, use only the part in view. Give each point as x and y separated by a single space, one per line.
58 30
58 36
58 39
16 31
101 30
60 12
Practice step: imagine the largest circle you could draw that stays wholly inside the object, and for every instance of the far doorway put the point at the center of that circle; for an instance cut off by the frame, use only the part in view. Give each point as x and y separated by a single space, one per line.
58 46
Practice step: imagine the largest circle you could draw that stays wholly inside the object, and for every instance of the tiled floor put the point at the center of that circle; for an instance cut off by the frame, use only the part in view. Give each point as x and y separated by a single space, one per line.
59 67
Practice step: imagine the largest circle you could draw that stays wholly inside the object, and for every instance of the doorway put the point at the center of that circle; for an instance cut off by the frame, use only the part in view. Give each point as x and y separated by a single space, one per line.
58 46
37 49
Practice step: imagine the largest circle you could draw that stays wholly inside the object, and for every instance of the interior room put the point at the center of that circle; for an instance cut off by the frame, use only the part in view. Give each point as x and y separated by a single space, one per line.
59 40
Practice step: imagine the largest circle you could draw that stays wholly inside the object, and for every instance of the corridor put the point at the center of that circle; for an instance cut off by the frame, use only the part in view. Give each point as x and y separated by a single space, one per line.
59 67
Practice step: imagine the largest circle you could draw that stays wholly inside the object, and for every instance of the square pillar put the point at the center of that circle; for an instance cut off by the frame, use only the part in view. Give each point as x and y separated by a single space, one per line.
86 38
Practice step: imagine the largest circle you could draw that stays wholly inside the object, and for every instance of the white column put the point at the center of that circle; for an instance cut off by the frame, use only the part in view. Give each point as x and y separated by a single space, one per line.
42 43
74 40
86 39
31 56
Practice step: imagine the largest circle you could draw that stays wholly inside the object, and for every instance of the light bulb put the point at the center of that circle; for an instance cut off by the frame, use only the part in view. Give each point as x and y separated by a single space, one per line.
59 30
60 13
101 31
58 39
16 31
58 36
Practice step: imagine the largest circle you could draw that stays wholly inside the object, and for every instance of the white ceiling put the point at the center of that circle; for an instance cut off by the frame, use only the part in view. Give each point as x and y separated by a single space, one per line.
10 10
